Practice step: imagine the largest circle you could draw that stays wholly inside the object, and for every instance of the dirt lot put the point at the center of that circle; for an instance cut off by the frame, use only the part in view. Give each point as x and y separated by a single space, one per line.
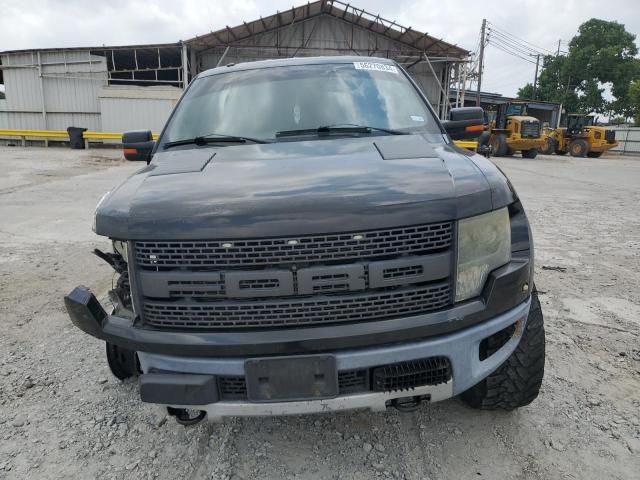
62 415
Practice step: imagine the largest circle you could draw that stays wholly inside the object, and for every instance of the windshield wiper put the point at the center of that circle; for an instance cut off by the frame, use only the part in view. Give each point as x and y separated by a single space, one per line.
213 138
339 128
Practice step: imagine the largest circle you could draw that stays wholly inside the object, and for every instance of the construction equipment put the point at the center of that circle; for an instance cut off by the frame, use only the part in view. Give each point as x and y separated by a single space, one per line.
582 137
513 130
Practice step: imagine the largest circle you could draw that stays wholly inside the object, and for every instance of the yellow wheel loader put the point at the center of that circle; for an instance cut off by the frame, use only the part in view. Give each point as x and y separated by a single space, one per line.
513 130
582 137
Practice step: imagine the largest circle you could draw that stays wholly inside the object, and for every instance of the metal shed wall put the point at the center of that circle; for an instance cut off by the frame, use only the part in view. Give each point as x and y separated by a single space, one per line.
52 89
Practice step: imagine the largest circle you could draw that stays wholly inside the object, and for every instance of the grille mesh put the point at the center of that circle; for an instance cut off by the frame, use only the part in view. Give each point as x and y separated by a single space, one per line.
299 312
530 129
310 248
412 374
350 381
610 136
232 388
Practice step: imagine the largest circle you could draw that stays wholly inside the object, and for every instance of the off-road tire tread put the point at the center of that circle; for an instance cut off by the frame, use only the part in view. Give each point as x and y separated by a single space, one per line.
123 363
517 382
502 148
584 150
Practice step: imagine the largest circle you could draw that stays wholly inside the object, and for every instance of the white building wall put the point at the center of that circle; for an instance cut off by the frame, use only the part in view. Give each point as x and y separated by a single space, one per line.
136 108
628 140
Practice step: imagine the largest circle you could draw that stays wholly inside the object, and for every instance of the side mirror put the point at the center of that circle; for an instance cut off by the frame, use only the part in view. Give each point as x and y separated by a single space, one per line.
137 145
465 123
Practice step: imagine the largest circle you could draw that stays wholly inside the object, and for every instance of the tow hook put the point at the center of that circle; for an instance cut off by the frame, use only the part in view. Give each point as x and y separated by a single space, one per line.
407 404
184 417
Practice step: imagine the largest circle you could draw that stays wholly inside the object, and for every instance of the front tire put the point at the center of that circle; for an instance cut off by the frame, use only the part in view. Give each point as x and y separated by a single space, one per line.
123 363
594 154
517 382
529 153
579 148
549 146
499 145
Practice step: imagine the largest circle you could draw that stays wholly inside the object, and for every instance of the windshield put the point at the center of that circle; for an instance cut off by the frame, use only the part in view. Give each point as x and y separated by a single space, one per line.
516 109
260 103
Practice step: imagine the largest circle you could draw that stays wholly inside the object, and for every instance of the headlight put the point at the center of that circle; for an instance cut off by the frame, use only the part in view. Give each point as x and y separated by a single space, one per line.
484 244
120 248
95 212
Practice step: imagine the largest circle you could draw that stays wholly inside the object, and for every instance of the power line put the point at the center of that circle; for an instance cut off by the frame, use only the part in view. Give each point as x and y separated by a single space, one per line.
499 47
503 44
510 40
521 48
517 39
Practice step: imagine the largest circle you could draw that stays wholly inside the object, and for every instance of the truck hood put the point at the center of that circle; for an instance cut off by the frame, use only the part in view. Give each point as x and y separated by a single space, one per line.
285 188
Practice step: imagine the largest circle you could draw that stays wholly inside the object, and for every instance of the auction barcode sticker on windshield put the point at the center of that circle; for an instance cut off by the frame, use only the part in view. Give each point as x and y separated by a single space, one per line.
381 67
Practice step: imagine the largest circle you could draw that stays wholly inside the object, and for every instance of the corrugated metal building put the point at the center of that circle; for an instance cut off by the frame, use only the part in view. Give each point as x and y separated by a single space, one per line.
102 89
135 87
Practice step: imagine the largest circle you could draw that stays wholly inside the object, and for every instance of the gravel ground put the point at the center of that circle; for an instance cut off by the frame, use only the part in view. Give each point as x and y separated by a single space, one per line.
63 415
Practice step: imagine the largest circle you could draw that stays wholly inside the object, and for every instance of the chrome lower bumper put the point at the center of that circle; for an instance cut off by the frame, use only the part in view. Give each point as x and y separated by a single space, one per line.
374 401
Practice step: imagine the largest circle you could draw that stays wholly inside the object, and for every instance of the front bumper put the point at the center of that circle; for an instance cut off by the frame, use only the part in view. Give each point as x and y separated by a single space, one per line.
190 381
602 146
184 369
503 291
462 349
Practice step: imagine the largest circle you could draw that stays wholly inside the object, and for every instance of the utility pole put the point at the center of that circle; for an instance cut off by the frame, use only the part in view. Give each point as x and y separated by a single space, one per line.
558 51
535 77
481 61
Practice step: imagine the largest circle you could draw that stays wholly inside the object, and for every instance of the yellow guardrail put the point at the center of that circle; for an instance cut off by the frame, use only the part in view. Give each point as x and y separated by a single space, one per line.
53 134
469 144
5 132
46 134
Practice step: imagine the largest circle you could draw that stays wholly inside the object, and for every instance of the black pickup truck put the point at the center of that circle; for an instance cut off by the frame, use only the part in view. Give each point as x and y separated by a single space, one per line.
306 237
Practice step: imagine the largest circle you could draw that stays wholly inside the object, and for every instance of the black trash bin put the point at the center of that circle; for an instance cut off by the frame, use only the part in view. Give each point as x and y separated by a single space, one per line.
76 139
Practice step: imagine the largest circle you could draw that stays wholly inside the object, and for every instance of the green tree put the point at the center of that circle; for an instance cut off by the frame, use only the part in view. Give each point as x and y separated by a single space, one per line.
634 101
526 91
556 83
602 53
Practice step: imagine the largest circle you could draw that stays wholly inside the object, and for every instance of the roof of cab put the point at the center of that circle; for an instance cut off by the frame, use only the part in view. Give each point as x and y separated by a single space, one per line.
287 62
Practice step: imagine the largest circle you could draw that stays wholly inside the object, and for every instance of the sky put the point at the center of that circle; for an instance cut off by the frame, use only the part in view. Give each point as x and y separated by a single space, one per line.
26 24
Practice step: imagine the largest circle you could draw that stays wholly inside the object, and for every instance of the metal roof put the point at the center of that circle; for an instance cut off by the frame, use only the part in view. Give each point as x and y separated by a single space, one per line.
414 39
101 47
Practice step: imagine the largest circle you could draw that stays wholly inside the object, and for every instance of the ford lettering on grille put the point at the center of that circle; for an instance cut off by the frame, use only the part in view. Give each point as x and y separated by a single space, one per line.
303 281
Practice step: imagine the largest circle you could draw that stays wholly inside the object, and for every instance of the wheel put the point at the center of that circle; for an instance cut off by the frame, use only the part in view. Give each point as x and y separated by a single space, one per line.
499 145
484 139
549 146
509 152
579 148
532 153
515 383
123 363
594 154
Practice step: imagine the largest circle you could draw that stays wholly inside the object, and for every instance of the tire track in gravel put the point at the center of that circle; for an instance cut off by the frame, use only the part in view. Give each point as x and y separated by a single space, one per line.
214 452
